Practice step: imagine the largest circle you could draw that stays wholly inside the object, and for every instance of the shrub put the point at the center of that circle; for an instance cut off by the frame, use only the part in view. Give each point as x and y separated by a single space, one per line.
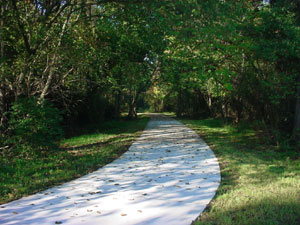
34 124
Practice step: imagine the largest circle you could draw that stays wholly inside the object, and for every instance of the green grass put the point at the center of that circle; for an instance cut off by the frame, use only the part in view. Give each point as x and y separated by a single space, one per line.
103 132
260 183
96 146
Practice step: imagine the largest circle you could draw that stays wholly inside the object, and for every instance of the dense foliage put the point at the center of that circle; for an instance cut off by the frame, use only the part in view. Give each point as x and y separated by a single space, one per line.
34 124
95 59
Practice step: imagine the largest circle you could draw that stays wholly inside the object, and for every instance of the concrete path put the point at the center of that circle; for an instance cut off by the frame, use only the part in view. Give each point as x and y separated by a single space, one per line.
168 176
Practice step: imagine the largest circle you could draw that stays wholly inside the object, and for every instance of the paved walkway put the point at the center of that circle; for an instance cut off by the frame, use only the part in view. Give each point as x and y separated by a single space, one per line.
168 176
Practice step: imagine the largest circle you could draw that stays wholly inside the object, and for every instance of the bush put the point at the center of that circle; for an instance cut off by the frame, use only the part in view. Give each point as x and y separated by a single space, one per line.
34 124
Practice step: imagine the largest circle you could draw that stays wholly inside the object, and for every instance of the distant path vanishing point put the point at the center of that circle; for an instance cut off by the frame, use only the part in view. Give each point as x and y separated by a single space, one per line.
167 177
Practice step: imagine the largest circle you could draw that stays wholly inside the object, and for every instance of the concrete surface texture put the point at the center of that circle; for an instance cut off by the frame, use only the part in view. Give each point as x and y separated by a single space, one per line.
168 176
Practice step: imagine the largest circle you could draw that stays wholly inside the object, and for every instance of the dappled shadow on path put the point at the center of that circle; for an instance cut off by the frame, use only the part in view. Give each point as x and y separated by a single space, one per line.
168 176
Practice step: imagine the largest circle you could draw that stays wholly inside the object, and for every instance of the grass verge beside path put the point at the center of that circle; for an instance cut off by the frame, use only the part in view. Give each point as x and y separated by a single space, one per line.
260 184
94 148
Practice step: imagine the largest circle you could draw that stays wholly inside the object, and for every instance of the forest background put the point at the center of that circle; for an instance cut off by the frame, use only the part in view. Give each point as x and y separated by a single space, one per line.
66 63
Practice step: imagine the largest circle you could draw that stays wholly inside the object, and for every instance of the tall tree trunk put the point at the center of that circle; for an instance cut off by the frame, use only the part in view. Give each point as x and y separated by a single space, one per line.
132 114
54 59
117 104
296 130
179 103
209 104
2 93
1 32
49 78
2 108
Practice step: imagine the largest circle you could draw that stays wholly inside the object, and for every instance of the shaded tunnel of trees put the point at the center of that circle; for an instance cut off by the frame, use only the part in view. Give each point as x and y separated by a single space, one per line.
70 62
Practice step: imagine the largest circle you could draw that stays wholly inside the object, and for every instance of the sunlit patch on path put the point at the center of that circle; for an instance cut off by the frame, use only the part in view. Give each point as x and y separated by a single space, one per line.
168 176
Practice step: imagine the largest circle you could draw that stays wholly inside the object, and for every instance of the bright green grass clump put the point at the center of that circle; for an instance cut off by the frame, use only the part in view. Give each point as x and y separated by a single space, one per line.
95 147
260 184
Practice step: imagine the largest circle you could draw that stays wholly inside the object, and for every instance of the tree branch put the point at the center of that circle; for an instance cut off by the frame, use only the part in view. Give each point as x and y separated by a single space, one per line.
22 29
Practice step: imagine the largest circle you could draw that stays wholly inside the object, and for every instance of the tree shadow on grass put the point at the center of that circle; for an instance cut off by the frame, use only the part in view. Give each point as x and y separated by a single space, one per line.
96 144
99 135
247 162
109 127
261 212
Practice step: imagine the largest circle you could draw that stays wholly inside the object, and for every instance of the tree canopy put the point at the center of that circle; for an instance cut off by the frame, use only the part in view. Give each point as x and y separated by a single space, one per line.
95 59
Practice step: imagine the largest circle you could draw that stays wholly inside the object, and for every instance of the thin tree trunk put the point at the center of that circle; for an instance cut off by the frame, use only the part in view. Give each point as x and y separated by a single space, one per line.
49 79
54 59
179 103
209 104
296 130
22 28
117 104
1 32
132 114
2 109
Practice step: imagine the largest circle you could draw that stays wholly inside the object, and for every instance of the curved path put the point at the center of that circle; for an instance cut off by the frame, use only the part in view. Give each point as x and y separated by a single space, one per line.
168 176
